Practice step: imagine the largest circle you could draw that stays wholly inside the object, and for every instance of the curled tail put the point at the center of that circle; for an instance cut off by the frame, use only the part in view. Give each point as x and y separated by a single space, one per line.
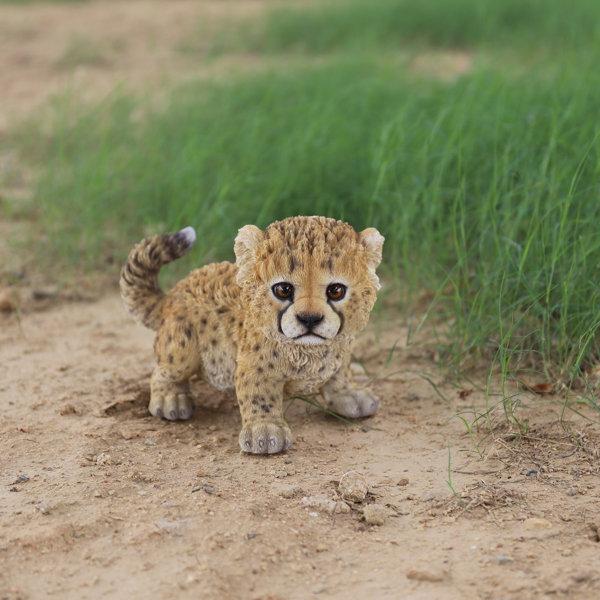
140 291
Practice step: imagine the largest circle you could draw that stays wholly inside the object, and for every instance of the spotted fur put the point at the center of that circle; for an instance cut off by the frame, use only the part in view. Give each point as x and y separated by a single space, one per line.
234 326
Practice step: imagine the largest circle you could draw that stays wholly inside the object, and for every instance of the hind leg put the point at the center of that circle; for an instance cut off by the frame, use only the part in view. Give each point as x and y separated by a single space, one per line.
170 398
178 359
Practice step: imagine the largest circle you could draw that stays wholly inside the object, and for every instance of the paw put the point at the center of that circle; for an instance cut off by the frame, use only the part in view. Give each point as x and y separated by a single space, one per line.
353 403
265 438
172 405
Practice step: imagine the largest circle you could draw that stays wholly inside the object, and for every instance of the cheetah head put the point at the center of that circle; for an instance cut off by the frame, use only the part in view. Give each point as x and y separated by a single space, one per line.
308 280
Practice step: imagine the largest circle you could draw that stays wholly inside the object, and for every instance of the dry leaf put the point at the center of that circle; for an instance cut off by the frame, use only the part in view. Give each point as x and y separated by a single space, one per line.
542 388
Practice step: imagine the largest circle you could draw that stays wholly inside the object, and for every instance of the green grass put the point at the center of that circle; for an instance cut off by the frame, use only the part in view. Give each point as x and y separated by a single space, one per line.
485 187
357 25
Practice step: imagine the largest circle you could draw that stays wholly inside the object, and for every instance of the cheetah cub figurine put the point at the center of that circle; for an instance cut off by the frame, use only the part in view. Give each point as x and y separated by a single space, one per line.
276 324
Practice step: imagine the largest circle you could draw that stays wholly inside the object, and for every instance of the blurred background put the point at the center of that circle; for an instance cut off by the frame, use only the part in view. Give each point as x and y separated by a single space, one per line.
466 131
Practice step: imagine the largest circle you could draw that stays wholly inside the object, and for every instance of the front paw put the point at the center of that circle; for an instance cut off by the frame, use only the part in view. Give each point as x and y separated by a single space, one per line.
353 403
171 405
265 438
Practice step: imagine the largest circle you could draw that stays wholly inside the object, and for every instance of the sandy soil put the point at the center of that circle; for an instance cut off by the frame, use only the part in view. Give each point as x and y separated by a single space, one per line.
100 500
89 48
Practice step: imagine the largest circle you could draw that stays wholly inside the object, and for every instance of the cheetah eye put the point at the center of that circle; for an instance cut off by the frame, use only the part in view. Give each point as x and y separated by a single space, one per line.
283 290
336 291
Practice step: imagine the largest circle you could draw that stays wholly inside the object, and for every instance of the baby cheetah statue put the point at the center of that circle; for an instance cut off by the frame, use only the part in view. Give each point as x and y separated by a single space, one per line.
276 324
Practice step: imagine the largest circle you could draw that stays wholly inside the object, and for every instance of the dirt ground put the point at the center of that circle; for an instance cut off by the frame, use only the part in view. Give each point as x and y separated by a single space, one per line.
100 500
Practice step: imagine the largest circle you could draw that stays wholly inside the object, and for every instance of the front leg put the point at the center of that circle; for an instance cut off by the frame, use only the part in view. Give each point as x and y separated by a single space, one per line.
264 430
343 397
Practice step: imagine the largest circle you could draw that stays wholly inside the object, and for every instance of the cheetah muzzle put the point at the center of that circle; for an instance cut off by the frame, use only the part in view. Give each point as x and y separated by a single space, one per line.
276 324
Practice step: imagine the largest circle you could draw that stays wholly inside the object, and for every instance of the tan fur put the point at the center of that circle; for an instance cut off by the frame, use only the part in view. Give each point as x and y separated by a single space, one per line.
225 323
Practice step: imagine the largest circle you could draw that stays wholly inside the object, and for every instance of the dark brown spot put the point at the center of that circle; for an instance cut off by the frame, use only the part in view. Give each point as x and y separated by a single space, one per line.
213 342
270 366
256 348
188 332
170 359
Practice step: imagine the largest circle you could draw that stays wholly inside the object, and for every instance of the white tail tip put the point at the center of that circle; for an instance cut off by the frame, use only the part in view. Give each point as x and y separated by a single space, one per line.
188 234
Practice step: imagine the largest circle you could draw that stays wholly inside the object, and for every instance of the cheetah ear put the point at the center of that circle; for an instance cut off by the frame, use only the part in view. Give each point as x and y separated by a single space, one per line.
246 242
372 242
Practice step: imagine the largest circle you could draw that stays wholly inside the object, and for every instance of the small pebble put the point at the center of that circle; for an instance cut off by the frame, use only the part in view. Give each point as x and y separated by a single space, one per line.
103 459
325 504
353 486
44 508
571 491
403 482
21 479
290 491
374 514
536 523
419 575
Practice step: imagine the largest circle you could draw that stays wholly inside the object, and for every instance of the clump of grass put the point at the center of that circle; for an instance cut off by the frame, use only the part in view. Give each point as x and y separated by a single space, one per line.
485 188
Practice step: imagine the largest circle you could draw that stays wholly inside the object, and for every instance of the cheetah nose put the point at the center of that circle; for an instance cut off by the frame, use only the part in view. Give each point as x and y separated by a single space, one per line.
309 320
